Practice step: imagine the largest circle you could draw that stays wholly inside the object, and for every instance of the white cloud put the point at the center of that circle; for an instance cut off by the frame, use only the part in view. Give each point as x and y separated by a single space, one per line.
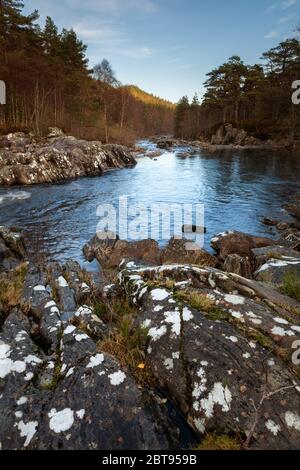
282 5
113 6
271 35
288 4
137 52
286 19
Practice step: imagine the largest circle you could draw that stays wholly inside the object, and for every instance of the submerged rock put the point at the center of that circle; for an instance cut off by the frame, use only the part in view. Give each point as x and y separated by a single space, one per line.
57 158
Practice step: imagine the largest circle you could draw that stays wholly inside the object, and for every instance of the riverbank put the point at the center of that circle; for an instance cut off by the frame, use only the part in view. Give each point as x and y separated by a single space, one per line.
229 138
209 335
25 160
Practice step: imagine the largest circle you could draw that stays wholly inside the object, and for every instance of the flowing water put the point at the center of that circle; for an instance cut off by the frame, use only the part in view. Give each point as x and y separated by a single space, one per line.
236 188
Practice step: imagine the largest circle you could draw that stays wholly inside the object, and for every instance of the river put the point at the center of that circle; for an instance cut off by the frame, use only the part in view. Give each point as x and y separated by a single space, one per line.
236 188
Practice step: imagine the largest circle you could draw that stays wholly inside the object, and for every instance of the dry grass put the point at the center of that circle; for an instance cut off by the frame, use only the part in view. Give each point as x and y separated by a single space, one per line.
291 285
11 287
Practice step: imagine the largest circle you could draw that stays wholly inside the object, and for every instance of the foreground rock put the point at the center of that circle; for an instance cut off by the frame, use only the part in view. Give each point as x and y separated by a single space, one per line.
111 251
25 161
58 390
238 243
217 348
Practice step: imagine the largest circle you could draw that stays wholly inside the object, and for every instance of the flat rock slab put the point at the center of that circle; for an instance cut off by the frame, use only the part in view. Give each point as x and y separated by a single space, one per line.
220 377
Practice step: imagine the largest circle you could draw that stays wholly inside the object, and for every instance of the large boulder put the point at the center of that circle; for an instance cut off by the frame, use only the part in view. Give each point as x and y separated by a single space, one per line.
57 158
110 251
238 243
178 251
218 353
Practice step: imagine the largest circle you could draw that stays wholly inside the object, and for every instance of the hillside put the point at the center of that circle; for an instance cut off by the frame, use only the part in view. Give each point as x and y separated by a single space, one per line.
148 98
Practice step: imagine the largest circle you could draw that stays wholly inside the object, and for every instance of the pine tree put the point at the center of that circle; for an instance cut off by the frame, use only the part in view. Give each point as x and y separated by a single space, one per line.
73 50
181 117
51 39
14 25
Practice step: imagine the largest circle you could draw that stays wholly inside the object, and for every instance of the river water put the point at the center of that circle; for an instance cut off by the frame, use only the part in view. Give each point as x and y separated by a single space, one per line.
236 188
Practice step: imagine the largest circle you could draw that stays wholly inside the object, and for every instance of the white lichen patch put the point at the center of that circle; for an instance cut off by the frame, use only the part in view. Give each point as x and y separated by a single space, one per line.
29 376
27 430
21 336
39 288
233 339
69 330
219 395
200 425
273 427
157 333
81 337
117 378
22 401
187 314
7 365
62 282
234 299
83 311
61 421
158 295
278 331
146 323
237 315
50 304
95 361
296 328
281 321
70 372
246 356
80 414
256 321
169 364
158 308
173 318
30 359
292 420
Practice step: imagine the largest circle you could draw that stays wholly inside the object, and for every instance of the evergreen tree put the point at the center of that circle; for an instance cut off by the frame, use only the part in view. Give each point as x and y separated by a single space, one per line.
181 117
51 39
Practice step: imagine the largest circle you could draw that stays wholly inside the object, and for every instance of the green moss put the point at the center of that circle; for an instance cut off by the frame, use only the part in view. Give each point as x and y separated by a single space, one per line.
291 285
219 442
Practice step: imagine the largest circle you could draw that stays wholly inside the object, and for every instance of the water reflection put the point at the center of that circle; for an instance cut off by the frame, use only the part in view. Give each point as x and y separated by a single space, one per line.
236 188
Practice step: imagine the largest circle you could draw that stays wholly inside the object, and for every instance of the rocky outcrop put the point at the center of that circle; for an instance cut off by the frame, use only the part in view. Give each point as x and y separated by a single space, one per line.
27 161
217 348
58 389
110 251
238 243
229 136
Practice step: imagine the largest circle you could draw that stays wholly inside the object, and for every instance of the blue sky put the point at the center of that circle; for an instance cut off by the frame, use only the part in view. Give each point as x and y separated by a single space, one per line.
167 46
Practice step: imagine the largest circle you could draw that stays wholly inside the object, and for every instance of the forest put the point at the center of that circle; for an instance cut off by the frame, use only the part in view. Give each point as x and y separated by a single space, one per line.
49 83
256 98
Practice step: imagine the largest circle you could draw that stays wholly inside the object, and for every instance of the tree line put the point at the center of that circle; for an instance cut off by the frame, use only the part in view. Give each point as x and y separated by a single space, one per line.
49 83
256 97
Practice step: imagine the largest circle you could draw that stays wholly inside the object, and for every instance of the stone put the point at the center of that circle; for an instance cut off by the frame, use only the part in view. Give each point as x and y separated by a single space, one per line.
213 360
176 252
238 265
57 158
238 243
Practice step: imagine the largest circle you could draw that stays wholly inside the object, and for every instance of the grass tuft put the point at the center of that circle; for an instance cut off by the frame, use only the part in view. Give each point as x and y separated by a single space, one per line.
291 285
